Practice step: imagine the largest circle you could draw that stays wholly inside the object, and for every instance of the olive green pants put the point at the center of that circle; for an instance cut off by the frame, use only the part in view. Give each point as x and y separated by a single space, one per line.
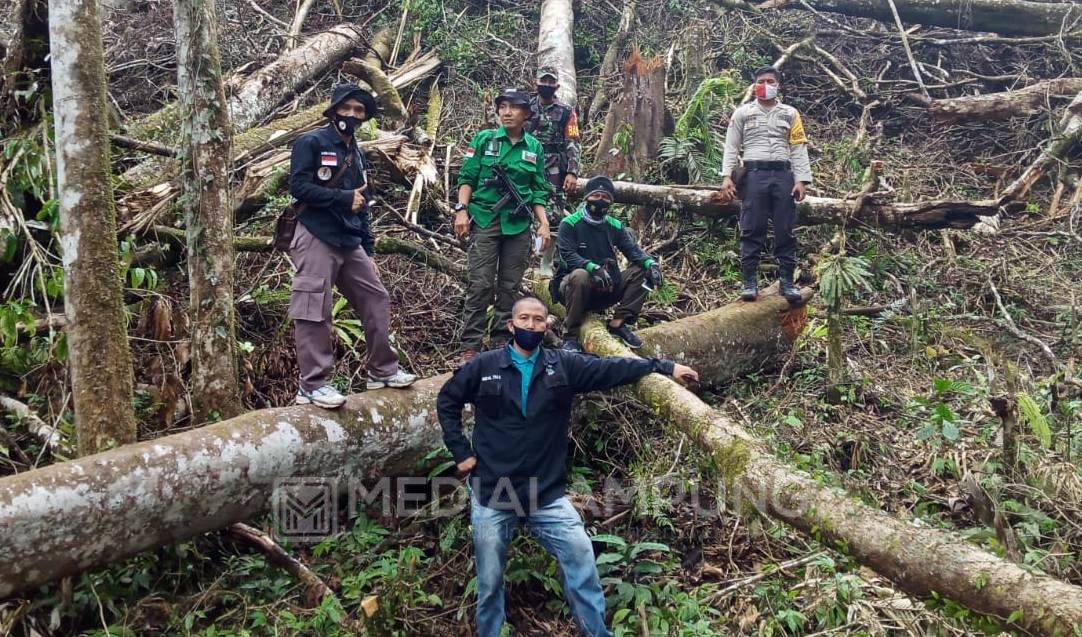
496 263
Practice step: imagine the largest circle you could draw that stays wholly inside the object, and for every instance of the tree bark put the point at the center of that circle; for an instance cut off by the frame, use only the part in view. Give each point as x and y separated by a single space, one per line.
99 357
65 518
1006 17
920 215
206 163
554 46
994 106
24 63
635 124
921 560
612 55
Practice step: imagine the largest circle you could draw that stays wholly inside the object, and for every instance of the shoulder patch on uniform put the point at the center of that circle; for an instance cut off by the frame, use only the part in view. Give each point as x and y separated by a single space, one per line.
470 152
796 131
572 129
614 222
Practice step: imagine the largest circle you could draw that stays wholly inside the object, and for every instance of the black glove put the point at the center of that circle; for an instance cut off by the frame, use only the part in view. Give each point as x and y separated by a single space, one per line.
653 276
601 279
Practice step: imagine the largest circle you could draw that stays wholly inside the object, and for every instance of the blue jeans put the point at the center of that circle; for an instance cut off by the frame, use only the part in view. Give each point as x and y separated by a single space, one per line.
558 528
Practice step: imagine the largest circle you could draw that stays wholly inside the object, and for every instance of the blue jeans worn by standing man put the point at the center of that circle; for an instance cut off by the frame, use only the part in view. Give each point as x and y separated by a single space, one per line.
559 529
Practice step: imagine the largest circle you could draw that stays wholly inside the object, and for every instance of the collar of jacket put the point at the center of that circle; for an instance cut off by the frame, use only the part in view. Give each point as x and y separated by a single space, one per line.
332 135
544 358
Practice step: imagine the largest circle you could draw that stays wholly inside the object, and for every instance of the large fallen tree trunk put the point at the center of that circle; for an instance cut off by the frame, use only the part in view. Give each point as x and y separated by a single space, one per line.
876 210
992 106
68 517
921 560
254 96
554 47
1007 17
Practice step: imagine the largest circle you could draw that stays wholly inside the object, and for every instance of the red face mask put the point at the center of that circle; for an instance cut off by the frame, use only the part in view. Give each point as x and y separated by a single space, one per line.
766 91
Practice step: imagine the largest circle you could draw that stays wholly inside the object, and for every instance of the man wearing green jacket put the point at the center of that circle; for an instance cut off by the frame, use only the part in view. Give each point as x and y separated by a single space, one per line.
498 227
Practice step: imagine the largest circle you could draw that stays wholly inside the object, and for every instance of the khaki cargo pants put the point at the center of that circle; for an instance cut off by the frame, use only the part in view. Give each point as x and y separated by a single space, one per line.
496 263
319 267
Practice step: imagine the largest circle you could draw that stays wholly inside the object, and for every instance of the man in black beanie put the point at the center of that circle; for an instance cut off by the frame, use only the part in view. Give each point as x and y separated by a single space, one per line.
587 276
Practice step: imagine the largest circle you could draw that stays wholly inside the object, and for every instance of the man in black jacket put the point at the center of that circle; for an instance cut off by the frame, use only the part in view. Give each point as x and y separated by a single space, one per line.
522 396
587 277
333 245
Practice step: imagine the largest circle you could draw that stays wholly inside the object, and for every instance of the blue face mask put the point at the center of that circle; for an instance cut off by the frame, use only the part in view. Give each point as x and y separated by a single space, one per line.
528 339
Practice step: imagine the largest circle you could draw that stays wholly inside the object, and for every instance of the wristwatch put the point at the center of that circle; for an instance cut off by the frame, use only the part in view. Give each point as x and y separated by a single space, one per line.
459 207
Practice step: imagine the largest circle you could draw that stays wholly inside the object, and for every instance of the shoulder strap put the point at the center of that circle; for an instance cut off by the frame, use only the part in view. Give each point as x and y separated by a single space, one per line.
341 171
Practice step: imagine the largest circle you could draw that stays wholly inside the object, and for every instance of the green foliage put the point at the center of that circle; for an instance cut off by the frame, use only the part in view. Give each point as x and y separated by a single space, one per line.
840 275
695 144
1031 413
349 330
140 278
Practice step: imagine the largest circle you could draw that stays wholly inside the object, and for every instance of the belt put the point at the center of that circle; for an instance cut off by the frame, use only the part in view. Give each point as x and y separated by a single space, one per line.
768 165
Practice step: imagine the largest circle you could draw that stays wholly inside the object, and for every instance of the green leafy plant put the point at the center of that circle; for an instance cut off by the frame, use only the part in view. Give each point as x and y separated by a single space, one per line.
1031 413
349 330
695 145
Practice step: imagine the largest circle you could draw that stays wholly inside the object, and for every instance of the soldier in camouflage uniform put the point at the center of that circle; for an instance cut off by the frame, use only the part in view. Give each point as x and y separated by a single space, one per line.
556 126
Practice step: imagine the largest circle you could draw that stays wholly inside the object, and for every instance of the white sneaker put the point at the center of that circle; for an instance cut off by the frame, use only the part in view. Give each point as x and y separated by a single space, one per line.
326 397
398 380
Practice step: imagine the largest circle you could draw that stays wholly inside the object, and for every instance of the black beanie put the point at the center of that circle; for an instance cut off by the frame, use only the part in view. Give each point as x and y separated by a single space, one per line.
600 183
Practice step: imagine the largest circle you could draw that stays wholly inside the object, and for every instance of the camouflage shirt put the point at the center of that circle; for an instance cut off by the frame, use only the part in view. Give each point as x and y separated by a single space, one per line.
556 126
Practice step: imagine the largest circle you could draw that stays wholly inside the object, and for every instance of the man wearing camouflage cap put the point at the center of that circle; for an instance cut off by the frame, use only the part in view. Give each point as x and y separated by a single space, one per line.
556 126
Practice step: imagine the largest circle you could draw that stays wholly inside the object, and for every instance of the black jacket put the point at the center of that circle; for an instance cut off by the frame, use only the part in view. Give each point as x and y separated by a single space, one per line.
585 245
531 449
317 157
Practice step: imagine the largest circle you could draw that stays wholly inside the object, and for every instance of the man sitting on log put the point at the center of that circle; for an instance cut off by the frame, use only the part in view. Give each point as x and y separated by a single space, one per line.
501 188
333 245
517 464
770 138
587 277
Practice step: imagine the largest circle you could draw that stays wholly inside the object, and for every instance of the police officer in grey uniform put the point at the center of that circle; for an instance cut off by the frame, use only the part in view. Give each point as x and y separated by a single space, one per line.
769 136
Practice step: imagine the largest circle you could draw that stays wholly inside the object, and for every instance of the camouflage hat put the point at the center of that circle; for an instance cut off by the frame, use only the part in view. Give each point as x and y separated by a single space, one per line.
547 71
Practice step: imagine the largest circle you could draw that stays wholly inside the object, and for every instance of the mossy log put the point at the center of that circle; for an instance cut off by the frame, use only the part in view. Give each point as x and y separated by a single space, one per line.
877 209
920 560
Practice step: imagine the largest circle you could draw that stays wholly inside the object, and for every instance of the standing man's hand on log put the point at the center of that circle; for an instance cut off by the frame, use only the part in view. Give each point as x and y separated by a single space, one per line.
728 189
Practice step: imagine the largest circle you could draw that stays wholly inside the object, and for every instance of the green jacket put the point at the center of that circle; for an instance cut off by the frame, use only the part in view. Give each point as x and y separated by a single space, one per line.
525 164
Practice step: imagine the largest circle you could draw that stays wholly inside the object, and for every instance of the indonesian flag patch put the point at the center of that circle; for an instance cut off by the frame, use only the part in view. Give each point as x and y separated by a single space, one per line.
527 156
328 158
470 152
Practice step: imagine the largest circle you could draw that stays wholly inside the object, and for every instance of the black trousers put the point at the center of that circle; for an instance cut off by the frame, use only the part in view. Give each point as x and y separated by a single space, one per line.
768 196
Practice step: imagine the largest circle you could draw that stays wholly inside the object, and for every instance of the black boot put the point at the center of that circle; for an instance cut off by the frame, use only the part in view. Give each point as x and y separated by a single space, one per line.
785 285
751 285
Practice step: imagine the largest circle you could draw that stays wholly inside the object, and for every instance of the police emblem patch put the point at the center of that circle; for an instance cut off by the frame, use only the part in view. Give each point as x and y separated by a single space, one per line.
324 173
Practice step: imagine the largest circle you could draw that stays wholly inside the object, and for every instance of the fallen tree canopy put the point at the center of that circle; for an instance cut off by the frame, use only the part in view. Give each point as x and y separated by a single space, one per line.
877 209
1007 17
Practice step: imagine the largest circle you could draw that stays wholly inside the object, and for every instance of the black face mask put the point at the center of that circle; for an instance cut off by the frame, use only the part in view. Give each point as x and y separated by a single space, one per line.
597 209
545 91
346 124
528 339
